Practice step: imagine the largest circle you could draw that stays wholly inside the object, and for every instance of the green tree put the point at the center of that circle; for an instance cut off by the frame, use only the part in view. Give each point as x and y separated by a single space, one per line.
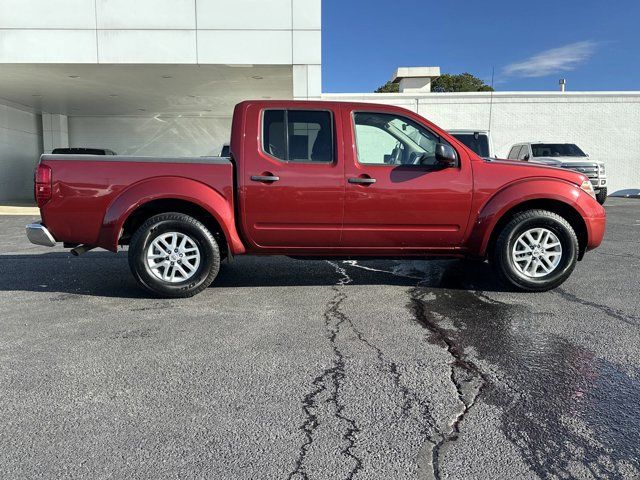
389 87
463 82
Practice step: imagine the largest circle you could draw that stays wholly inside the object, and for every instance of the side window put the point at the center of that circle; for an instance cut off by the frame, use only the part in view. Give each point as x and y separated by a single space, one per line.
298 135
375 146
273 134
385 139
513 153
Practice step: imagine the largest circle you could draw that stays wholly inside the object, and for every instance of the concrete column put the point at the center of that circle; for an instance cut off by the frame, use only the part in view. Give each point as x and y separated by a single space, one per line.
55 131
307 82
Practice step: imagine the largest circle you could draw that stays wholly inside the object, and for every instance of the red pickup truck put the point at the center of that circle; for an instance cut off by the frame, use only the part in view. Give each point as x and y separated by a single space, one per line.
321 180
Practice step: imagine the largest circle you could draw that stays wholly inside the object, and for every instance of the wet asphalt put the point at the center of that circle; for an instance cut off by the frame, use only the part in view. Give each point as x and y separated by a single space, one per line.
320 369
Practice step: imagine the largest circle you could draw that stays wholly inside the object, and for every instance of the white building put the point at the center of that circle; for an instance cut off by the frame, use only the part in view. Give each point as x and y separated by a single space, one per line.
161 77
154 77
605 125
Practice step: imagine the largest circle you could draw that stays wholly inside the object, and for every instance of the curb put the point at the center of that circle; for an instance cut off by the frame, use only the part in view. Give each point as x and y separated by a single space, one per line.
9 210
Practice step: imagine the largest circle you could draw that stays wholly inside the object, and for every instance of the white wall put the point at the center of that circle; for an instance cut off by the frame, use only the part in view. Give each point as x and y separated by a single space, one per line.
239 32
20 149
266 32
160 136
606 125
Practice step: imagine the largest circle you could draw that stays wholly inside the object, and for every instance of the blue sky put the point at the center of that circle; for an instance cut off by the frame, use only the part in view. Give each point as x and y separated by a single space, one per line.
595 45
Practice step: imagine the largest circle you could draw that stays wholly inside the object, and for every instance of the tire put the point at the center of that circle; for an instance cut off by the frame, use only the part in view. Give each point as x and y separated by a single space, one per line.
601 196
539 274
187 275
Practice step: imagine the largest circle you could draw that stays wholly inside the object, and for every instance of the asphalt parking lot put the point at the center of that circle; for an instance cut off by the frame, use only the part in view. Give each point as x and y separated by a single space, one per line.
292 369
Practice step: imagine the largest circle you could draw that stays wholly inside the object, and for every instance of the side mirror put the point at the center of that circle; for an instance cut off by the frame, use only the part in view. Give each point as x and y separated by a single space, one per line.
446 155
526 157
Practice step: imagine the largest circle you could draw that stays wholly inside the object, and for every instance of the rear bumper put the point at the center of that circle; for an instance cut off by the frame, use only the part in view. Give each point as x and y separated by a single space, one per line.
39 235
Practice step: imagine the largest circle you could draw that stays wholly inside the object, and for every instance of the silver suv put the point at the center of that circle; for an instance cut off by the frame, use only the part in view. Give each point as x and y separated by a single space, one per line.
564 155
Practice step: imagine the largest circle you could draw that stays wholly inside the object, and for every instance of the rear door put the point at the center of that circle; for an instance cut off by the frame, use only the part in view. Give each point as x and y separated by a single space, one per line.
397 197
292 185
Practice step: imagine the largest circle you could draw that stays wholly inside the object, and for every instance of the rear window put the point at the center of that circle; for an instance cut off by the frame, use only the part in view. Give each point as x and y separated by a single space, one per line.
298 135
479 144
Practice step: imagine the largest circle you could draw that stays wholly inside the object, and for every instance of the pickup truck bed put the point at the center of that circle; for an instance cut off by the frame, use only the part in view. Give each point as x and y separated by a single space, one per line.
98 213
322 179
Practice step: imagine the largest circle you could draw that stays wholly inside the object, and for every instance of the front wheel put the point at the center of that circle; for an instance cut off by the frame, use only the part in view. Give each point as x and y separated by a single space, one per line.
173 255
601 196
536 251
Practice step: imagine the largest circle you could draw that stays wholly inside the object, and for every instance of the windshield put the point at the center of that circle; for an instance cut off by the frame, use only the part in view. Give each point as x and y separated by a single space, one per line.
479 145
418 140
556 150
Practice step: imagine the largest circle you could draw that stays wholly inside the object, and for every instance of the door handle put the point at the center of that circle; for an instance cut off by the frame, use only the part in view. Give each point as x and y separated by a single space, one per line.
362 181
264 178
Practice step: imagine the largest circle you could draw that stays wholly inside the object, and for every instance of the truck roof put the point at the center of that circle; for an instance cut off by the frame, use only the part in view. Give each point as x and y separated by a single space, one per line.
468 130
542 142
319 102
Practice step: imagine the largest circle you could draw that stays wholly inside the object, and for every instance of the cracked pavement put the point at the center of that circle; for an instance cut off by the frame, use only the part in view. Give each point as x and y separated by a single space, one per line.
320 369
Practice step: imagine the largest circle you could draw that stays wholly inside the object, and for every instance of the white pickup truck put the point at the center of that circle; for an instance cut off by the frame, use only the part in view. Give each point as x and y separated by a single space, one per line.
564 155
477 140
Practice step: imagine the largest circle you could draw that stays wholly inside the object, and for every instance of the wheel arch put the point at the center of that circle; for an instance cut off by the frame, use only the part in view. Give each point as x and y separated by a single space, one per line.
164 205
566 211
169 194
554 195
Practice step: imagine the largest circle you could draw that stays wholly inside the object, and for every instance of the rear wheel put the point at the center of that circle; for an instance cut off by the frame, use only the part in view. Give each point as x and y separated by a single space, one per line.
173 255
536 251
601 196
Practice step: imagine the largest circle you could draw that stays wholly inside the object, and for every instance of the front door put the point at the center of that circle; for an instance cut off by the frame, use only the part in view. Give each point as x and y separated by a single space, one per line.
398 198
293 182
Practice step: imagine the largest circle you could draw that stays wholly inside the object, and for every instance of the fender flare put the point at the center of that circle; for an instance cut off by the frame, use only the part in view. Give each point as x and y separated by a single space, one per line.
515 194
168 188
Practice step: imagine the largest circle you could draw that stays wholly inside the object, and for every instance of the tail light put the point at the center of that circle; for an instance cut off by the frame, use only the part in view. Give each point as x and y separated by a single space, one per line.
43 184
